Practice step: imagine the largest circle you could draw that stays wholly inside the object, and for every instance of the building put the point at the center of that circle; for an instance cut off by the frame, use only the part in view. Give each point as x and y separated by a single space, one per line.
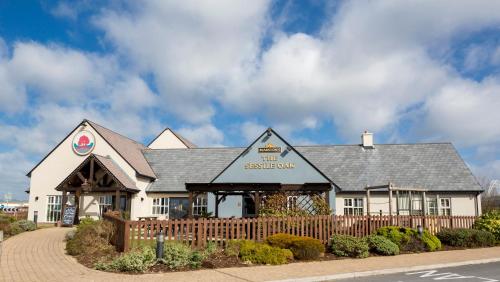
97 169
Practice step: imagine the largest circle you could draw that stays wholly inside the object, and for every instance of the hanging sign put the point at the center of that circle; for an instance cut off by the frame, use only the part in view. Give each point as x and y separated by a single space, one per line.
83 143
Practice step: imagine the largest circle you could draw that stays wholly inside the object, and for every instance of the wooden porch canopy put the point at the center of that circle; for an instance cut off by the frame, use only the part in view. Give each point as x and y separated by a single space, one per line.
254 190
390 187
96 174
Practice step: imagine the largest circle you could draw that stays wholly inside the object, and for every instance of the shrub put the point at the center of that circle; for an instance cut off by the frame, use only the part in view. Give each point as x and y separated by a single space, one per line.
303 248
349 246
490 222
382 246
21 226
233 247
409 240
263 253
138 260
176 255
466 237
91 239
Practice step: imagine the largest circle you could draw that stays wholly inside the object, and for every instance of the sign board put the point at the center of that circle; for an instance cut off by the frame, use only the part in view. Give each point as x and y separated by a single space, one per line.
83 143
69 216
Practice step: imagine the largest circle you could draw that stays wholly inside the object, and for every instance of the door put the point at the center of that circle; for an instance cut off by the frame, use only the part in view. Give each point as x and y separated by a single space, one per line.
248 206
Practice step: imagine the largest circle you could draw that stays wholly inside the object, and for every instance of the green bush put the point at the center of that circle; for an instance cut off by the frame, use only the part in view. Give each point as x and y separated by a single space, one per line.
176 255
409 240
349 246
303 248
91 239
489 222
263 253
468 238
138 260
382 246
233 247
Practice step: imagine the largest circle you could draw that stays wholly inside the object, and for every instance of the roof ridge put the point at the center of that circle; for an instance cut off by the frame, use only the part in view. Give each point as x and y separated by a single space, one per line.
112 131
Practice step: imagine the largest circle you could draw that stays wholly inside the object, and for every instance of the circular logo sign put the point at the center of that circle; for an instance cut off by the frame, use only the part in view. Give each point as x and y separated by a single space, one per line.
83 143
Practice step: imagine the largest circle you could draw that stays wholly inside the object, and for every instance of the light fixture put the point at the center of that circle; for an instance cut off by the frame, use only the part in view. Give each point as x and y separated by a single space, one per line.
420 230
142 199
36 198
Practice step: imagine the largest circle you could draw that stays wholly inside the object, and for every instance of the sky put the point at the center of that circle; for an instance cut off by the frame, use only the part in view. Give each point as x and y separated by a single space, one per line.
220 72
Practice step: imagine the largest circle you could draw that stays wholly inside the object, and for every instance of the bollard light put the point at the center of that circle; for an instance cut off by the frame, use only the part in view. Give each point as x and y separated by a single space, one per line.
420 230
159 244
35 218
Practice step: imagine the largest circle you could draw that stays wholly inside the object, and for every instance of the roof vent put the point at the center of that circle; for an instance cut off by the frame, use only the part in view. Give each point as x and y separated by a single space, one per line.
367 140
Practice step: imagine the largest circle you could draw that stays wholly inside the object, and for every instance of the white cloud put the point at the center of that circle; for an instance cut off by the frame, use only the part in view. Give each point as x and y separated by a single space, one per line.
205 135
251 130
191 49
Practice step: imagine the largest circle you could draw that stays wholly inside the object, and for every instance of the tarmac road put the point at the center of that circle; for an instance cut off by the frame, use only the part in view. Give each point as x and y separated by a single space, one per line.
488 272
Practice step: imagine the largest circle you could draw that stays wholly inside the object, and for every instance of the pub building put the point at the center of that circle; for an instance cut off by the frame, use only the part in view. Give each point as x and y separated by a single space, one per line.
94 169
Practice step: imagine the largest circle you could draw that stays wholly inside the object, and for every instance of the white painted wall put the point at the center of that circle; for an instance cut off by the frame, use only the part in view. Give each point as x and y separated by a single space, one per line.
60 163
461 203
167 140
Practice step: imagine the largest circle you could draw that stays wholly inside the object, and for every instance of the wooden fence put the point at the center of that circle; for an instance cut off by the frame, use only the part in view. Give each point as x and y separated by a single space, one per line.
197 232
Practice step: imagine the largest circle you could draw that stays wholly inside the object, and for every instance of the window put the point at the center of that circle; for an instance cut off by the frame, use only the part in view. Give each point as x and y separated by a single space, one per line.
445 206
105 203
353 206
54 208
200 205
160 206
291 203
432 206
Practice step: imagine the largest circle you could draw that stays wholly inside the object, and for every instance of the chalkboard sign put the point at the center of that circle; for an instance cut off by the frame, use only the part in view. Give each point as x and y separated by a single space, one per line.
69 216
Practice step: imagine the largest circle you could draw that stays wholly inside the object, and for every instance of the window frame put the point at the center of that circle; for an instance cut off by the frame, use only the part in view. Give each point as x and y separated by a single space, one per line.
54 208
352 206
103 203
445 209
160 206
200 205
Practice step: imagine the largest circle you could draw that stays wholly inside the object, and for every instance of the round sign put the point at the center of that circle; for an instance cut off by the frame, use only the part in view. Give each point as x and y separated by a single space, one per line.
83 143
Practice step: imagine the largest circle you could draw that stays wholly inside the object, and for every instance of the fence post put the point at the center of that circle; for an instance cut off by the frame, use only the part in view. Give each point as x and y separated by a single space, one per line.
126 235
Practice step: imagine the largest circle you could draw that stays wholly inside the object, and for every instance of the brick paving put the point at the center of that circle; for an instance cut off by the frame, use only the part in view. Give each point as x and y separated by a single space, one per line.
40 256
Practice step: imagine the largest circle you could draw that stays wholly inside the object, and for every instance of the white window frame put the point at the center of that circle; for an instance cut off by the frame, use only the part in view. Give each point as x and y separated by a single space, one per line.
54 206
105 201
161 206
200 205
435 209
354 206
292 202
446 208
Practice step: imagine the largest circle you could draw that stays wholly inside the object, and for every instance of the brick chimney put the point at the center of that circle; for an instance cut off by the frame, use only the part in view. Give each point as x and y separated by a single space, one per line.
367 140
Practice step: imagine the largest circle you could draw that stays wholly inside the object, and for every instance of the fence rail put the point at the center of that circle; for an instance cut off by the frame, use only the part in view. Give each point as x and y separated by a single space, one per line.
197 232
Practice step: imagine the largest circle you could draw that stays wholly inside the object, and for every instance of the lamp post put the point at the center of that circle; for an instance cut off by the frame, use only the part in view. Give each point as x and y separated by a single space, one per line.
35 218
159 244
420 230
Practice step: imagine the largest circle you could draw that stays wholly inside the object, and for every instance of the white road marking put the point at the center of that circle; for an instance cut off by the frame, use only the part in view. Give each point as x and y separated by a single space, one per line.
447 275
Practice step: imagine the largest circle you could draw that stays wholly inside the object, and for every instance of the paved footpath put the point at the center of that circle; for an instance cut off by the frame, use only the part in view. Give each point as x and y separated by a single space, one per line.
40 256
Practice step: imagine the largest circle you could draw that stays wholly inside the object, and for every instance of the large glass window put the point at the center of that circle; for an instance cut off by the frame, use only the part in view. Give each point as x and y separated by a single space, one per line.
105 203
54 208
353 206
160 206
200 205
432 206
178 207
445 206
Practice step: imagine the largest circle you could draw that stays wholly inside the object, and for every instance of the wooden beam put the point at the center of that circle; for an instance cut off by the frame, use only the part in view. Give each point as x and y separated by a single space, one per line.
390 200
367 202
190 205
117 200
91 177
257 203
80 175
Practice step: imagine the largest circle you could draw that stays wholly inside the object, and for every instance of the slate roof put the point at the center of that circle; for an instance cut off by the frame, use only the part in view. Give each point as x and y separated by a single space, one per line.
433 166
117 172
184 141
129 149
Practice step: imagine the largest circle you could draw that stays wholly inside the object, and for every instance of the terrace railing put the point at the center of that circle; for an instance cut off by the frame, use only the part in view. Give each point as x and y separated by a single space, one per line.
197 232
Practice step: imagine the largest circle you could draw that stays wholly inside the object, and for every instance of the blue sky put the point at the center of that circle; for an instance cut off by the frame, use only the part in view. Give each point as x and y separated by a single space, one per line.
219 72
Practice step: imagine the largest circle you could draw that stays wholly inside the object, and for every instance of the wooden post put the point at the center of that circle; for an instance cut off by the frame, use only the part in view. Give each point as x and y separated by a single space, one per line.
63 204
368 202
257 203
190 205
91 175
397 202
77 203
390 200
216 205
424 204
117 199
410 207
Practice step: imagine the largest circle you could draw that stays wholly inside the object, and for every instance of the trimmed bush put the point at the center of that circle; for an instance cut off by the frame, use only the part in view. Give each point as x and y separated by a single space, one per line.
138 260
490 222
382 246
233 247
349 246
409 240
467 238
176 255
263 253
302 247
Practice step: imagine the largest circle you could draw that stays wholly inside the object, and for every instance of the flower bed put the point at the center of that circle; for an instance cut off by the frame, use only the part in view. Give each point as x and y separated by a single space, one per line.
11 226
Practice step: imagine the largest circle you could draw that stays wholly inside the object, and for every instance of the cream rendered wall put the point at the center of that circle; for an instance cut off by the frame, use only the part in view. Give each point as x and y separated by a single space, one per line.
59 164
463 204
167 140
